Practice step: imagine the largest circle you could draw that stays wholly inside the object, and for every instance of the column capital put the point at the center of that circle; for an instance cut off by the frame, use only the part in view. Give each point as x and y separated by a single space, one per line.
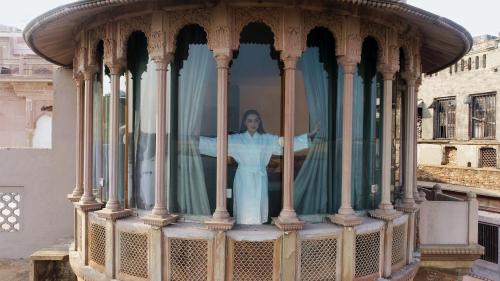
223 58
290 60
348 63
115 69
163 61
412 78
388 70
89 72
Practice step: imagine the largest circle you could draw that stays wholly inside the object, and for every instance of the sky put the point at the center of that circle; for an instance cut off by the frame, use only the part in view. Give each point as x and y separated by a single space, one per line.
478 16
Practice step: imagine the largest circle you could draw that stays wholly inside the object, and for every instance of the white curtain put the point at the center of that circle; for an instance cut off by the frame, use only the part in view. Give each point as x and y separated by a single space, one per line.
311 181
146 138
193 82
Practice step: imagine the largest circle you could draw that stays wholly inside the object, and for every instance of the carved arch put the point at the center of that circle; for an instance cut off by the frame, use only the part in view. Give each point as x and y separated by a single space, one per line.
126 28
312 20
272 17
379 33
178 20
94 37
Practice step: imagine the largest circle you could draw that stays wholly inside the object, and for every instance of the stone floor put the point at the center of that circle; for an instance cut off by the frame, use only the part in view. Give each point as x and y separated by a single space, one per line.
14 270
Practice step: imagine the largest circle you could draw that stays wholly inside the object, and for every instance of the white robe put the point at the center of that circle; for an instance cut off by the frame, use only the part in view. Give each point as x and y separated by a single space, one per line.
252 153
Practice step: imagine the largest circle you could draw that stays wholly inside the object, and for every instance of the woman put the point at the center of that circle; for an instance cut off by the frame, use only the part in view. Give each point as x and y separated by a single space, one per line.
252 149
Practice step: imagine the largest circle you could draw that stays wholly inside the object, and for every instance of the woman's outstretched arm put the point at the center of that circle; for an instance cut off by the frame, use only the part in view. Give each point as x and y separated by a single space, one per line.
299 143
208 146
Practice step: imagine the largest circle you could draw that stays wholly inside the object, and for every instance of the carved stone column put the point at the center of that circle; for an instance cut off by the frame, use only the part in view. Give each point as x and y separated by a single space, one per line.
88 201
160 215
410 181
287 219
346 215
385 209
78 191
113 208
221 219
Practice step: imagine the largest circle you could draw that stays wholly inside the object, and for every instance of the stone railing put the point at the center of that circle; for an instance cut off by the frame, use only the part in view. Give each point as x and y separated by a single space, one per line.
448 233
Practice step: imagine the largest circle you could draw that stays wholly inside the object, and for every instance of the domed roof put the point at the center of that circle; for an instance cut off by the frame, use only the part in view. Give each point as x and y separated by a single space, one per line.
52 34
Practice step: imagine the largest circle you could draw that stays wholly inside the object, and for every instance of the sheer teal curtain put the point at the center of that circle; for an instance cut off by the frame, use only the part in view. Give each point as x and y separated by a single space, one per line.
192 197
367 126
318 180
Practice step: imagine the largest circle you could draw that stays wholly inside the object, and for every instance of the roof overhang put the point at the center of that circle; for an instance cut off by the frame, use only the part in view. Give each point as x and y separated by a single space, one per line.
52 34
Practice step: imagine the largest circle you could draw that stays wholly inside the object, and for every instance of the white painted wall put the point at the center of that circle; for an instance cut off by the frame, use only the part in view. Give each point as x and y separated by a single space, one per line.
42 136
44 177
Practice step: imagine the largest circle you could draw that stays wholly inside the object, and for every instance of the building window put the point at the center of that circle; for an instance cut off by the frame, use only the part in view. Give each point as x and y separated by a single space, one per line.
456 67
444 118
450 156
462 65
419 122
484 61
477 62
488 238
487 157
482 116
469 64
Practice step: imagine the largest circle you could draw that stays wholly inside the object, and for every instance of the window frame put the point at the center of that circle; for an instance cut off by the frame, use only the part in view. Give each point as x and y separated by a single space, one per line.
437 105
471 116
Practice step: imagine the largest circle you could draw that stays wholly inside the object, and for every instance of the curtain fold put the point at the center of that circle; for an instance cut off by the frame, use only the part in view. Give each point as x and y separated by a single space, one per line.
146 138
192 195
311 183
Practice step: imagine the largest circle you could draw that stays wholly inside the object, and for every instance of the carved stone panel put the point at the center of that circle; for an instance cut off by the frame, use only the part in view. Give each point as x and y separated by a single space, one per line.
334 24
177 20
126 28
273 17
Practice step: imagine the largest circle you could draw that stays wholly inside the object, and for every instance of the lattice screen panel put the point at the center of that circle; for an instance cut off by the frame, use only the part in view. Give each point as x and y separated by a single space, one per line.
488 157
97 244
188 259
318 259
10 211
367 253
252 260
398 243
134 254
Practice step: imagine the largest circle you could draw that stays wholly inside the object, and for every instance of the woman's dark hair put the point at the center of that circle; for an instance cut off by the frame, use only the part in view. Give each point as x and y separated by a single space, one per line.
243 127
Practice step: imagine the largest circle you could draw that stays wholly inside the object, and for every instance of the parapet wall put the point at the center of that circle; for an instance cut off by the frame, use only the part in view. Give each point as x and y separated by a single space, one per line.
475 177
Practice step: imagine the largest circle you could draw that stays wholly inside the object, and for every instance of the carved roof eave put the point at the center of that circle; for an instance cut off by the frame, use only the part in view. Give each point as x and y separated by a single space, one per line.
385 6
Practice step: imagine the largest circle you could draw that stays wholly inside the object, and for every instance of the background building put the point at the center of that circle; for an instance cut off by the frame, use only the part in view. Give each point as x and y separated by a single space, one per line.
26 93
458 138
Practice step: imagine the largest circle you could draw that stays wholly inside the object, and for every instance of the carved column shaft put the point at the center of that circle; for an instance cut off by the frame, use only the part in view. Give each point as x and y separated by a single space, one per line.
161 95
221 219
113 203
160 215
410 141
88 196
78 191
287 219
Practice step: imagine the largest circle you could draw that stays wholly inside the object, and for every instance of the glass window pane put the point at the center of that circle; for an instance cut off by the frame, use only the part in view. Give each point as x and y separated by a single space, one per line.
255 127
193 84
318 112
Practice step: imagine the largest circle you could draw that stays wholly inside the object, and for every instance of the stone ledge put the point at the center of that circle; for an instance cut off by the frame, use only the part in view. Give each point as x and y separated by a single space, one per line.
451 252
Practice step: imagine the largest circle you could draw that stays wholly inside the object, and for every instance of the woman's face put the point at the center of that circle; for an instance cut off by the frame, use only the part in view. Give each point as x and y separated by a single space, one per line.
252 122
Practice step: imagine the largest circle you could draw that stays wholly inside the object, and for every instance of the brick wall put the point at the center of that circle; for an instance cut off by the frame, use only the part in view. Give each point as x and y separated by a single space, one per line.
486 178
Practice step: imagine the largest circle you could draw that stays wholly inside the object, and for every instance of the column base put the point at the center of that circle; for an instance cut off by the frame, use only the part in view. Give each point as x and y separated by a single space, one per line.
220 224
385 214
74 198
409 207
345 219
113 214
159 221
89 206
288 224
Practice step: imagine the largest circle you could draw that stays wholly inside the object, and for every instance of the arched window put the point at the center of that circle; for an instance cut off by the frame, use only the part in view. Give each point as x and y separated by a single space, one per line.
140 127
42 136
100 122
193 86
255 127
319 107
367 129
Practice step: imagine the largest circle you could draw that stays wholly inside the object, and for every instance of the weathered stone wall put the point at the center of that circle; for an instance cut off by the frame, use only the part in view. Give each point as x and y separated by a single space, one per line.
475 177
